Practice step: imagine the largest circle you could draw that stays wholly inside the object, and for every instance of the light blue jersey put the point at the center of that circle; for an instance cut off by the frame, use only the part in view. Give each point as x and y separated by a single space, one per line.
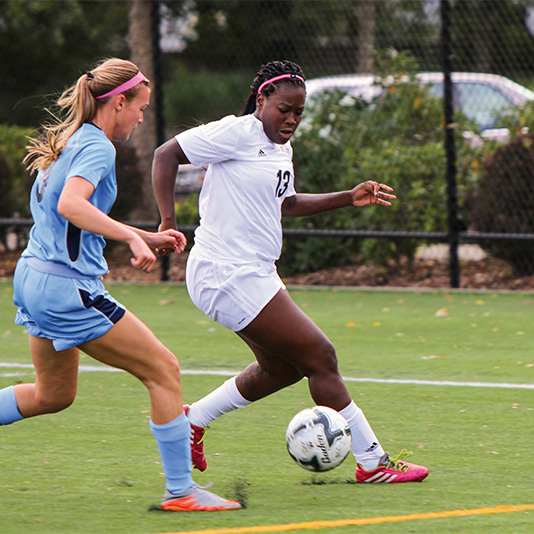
56 286
91 155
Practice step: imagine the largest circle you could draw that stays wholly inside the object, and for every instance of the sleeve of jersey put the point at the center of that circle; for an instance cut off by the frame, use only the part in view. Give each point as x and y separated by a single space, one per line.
93 162
291 191
212 142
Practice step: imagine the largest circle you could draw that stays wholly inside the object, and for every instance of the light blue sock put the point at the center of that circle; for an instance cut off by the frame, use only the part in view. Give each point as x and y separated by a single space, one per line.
174 446
9 411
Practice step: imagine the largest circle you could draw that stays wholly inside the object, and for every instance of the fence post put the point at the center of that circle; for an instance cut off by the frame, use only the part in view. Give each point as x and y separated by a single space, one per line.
450 149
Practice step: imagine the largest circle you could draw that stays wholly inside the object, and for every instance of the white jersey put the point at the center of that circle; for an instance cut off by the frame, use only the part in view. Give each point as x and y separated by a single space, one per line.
247 180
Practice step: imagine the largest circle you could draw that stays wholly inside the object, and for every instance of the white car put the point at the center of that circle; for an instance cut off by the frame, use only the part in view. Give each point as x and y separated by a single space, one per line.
481 97
189 178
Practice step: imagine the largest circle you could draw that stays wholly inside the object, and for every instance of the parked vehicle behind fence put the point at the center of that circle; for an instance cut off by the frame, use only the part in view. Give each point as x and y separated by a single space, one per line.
482 98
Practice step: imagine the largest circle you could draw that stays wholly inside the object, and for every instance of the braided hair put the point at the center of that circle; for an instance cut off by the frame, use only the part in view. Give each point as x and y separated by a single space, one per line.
268 71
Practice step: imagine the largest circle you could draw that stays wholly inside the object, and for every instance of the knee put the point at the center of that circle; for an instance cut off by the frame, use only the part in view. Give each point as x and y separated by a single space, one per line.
172 368
323 359
165 372
53 403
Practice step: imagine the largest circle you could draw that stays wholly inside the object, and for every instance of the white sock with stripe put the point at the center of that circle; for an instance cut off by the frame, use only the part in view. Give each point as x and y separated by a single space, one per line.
365 445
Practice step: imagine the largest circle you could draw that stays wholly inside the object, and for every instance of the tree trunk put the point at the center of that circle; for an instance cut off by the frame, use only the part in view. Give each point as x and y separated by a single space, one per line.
144 138
366 36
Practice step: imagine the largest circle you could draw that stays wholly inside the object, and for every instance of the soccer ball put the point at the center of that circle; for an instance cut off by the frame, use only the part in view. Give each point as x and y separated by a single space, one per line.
318 438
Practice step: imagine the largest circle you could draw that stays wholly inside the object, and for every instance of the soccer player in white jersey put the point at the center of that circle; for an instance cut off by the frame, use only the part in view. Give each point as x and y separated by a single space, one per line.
231 274
57 288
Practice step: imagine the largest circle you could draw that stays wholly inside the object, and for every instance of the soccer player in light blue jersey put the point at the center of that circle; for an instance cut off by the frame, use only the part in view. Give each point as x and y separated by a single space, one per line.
61 299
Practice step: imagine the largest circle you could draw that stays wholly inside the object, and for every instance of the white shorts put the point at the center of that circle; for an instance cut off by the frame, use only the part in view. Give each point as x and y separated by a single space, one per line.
231 294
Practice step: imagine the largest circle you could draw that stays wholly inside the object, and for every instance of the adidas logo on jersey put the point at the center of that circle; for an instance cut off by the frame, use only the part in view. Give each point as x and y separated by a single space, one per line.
261 153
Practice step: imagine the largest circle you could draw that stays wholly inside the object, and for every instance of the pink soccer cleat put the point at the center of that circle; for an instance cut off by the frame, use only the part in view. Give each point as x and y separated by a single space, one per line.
392 470
197 445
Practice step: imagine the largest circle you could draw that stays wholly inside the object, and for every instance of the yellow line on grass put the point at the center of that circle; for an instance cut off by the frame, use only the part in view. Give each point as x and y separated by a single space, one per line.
362 521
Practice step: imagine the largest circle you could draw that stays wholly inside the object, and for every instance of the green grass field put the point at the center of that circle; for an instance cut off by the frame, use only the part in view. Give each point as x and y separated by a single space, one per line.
435 372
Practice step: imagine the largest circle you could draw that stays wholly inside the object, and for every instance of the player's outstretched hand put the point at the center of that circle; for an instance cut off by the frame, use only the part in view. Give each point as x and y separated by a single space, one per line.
164 250
170 240
372 192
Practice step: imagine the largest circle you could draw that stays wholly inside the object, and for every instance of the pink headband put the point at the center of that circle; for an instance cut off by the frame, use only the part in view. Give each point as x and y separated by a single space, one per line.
132 82
281 77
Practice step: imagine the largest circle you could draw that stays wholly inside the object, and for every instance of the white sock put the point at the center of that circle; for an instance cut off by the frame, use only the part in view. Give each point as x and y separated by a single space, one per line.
365 445
222 400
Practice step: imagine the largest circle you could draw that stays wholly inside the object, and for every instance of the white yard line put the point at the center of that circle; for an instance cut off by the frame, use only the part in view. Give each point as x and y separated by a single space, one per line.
215 372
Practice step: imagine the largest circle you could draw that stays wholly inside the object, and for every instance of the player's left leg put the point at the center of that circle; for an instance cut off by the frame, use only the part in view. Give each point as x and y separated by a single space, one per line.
284 330
284 333
299 341
54 389
288 345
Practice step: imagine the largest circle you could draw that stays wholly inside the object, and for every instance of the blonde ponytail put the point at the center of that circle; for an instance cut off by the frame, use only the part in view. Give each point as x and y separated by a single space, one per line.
78 104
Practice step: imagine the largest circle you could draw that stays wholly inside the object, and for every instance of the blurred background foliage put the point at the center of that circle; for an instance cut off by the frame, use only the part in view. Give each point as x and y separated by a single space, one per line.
47 44
210 51
395 138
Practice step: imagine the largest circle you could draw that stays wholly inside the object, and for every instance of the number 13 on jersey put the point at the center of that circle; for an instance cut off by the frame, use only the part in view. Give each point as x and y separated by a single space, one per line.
283 182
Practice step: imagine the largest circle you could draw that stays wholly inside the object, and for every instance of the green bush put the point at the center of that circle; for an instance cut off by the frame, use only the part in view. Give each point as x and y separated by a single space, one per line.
6 198
15 181
187 210
396 139
517 120
187 214
503 202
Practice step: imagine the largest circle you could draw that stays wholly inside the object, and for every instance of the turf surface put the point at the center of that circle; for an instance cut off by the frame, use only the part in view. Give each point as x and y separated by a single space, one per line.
94 468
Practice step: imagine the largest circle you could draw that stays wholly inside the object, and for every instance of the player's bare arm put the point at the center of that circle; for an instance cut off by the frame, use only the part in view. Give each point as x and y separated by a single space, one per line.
167 158
370 192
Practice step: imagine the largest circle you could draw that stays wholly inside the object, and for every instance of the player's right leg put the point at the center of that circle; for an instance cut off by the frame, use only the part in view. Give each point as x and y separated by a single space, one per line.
131 345
299 341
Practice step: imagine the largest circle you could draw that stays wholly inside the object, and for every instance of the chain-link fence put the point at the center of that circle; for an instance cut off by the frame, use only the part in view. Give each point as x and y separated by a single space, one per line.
461 167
